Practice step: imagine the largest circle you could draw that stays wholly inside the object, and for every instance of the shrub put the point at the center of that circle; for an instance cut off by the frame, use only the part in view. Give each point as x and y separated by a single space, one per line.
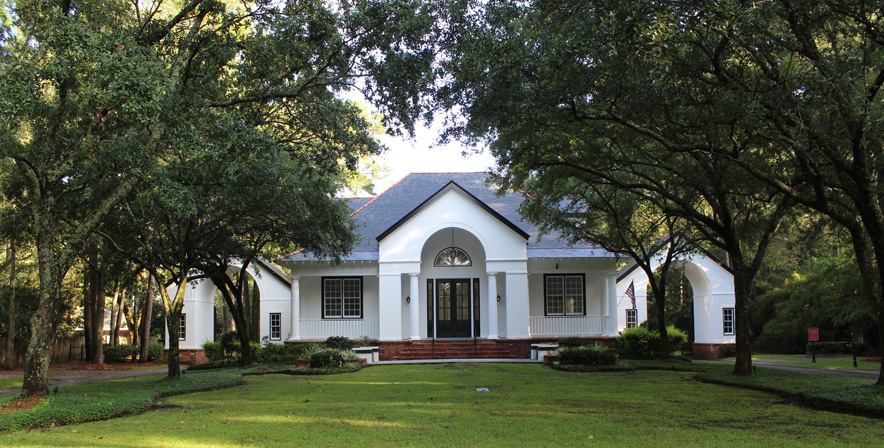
327 359
214 351
350 356
587 355
310 349
638 342
340 343
835 348
281 353
572 342
155 351
727 351
120 353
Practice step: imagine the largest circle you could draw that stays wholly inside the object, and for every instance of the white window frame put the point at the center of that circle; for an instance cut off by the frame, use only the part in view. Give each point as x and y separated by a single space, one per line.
631 318
342 291
182 327
728 319
552 296
276 326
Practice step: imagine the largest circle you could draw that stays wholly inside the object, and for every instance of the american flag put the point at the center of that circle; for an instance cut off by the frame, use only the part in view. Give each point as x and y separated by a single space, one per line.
630 292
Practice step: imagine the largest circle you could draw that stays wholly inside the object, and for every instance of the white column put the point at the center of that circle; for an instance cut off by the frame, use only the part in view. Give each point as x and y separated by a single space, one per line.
613 315
492 305
517 312
414 290
390 302
295 316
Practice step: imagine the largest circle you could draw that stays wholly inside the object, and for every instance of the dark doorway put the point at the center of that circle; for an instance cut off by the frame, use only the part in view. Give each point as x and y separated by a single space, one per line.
453 311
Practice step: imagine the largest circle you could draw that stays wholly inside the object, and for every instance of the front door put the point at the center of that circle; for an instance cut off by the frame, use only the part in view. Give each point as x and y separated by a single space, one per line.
453 309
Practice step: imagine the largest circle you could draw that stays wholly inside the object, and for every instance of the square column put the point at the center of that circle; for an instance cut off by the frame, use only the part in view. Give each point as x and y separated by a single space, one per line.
295 316
414 294
517 309
492 305
613 315
390 306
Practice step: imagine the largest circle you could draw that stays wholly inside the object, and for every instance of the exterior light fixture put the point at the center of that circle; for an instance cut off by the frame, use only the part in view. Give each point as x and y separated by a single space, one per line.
408 299
498 297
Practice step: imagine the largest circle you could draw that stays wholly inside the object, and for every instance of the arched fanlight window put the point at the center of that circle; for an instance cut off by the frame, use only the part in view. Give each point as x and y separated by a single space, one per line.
453 256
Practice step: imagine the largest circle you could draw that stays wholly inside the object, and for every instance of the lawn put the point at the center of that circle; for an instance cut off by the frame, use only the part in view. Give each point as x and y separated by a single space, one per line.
845 363
438 405
9 382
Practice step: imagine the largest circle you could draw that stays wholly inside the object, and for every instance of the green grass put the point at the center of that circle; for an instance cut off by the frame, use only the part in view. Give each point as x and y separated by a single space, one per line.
9 382
438 405
762 356
836 363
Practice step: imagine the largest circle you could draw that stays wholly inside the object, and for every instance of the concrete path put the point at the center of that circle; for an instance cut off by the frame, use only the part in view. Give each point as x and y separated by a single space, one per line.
67 377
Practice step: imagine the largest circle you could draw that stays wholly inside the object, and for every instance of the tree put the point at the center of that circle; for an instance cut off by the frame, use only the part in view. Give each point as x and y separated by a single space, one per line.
562 199
97 97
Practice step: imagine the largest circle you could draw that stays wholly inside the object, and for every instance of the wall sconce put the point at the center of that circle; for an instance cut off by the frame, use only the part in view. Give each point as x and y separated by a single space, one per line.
498 297
408 299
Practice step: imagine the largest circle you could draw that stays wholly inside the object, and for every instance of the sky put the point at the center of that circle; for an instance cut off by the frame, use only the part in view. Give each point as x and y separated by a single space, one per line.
420 155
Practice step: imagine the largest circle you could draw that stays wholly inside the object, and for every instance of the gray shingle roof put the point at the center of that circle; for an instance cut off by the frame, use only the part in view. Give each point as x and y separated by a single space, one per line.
376 216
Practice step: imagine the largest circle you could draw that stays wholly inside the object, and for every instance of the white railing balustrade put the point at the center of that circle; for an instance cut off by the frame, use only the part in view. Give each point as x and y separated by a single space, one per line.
563 326
351 328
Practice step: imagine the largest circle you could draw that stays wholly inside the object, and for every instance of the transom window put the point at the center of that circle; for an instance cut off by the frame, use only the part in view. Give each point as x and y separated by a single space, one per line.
342 297
564 295
727 321
453 256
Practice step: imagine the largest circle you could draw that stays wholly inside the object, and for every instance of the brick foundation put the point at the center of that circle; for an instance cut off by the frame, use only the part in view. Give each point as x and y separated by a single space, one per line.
197 355
708 351
464 348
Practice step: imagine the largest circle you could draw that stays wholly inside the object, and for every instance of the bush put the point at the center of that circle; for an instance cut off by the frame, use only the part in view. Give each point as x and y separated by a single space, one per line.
572 342
214 351
638 342
310 349
327 359
836 348
155 351
587 355
120 353
281 353
340 343
727 351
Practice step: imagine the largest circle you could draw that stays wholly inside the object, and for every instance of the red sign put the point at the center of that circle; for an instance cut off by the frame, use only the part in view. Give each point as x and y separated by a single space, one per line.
813 334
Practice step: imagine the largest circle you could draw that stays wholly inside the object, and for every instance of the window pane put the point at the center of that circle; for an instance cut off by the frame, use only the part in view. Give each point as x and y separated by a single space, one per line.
555 295
352 297
182 327
574 294
333 297
275 326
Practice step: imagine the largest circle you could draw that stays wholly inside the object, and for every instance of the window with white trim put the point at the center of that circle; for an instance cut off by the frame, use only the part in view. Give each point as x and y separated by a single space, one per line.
727 321
275 326
182 327
342 297
564 295
631 318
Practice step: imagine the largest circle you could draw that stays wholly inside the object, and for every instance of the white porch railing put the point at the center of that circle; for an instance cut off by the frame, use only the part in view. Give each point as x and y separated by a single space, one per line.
560 326
351 328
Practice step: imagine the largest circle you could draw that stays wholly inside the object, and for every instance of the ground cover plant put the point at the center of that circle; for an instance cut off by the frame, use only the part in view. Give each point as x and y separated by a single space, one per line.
439 405
108 399
843 363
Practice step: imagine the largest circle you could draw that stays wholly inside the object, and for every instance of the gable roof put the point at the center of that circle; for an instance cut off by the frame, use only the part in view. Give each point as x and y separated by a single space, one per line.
381 215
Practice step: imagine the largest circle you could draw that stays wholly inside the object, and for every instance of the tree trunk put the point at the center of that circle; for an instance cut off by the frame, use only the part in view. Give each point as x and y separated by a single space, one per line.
97 294
255 319
118 318
10 326
146 318
744 289
173 321
87 312
664 350
43 323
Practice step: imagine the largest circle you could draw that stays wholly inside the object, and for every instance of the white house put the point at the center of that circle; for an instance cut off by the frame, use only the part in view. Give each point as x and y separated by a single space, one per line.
713 302
444 267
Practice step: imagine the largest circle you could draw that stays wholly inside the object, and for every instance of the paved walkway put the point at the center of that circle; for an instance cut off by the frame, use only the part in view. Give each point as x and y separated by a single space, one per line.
67 377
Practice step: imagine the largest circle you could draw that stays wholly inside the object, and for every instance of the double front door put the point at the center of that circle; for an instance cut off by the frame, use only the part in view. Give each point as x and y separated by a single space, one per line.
453 308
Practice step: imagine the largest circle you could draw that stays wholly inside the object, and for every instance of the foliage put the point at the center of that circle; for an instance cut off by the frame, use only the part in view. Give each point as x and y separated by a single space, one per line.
572 342
312 348
155 351
836 348
342 343
120 353
727 350
214 352
327 359
587 355
109 399
639 342
280 353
